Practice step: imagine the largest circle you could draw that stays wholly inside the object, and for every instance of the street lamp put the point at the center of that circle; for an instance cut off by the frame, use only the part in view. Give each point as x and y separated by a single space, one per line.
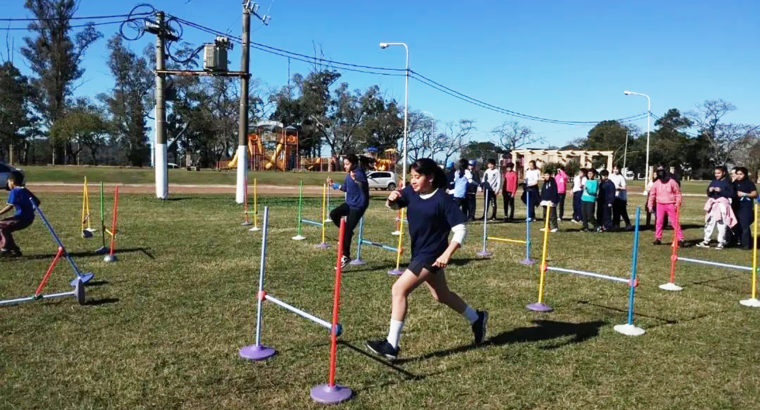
649 116
406 103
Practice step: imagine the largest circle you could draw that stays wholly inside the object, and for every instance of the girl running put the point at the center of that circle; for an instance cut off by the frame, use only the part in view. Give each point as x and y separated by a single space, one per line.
357 199
432 214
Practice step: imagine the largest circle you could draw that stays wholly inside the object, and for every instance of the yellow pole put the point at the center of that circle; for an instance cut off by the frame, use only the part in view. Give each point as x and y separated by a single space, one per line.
543 259
255 206
85 205
400 239
324 209
754 254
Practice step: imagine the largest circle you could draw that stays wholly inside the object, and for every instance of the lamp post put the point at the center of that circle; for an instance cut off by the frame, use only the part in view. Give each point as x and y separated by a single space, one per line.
649 116
406 104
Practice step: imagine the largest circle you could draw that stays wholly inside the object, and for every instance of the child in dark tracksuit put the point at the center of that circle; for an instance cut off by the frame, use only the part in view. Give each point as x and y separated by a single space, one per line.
550 200
745 194
606 200
357 199
19 199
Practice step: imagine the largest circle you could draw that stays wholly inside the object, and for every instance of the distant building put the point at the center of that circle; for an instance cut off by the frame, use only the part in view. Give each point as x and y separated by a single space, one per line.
521 157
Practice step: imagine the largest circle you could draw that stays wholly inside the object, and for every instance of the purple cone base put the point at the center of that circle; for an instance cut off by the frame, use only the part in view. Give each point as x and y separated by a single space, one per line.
538 307
85 277
484 254
329 395
527 262
357 262
256 352
323 245
246 223
395 272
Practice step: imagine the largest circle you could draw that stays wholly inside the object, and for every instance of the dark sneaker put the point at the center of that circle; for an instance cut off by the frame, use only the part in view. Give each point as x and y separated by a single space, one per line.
682 244
10 253
479 328
657 242
344 260
383 348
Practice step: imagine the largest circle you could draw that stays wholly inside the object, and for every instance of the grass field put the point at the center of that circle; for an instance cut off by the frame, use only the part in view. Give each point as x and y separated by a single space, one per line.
163 325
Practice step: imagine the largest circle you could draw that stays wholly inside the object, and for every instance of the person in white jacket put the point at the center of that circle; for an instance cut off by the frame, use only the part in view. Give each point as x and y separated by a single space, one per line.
491 185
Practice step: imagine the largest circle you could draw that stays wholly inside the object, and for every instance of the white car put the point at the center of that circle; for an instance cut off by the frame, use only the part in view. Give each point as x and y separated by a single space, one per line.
5 171
382 180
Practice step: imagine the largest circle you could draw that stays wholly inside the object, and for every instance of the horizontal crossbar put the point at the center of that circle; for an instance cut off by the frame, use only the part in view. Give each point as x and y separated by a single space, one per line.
589 274
30 298
722 265
299 312
310 222
497 239
379 245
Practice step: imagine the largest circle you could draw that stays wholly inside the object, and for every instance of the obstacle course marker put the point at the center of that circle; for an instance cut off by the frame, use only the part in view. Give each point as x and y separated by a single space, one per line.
361 241
77 293
111 257
628 328
485 253
86 218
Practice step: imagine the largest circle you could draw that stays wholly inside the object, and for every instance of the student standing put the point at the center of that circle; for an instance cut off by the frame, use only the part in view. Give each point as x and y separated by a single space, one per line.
620 204
745 193
562 179
578 181
588 199
491 184
606 200
510 190
550 200
357 199
432 215
462 178
472 189
530 195
718 212
666 194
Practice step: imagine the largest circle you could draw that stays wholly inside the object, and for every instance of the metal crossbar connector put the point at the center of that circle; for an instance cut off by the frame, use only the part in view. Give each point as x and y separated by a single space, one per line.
590 274
722 265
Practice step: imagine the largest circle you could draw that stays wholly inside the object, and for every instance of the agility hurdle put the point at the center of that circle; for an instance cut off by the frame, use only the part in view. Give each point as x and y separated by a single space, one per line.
628 329
254 214
674 258
361 241
323 216
81 277
111 257
86 219
325 393
485 253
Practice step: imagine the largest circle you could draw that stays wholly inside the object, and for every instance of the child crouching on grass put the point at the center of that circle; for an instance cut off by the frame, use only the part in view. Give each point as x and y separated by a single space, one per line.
18 199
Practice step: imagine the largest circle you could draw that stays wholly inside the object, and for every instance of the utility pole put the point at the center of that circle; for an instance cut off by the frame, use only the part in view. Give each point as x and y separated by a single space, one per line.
159 163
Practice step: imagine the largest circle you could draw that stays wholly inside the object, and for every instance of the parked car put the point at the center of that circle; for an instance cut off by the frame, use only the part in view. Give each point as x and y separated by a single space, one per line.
171 165
382 180
5 170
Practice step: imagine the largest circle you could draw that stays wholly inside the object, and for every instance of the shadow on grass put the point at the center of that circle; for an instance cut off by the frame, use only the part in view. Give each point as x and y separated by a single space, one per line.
94 283
544 330
144 251
407 375
465 261
98 302
181 198
665 321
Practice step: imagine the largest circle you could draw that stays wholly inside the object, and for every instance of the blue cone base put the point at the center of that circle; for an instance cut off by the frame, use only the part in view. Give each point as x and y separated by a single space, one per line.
84 278
256 352
330 395
484 254
323 245
538 307
395 272
527 262
357 262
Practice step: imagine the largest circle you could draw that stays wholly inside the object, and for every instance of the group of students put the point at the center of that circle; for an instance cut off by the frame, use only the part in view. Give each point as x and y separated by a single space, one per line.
600 204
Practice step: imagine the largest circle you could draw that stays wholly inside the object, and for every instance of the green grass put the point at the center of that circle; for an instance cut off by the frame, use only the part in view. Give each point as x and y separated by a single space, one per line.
130 175
165 322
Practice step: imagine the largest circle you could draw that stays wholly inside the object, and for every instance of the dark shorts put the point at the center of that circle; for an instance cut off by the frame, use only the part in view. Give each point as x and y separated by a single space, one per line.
416 266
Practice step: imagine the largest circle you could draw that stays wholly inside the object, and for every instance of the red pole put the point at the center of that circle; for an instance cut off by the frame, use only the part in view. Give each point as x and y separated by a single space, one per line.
49 271
674 255
113 219
336 303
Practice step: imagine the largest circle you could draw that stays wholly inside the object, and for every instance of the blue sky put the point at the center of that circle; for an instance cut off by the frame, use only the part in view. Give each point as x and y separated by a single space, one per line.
568 60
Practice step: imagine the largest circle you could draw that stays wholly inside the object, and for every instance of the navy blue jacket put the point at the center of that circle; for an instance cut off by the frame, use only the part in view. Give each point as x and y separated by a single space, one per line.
726 189
549 191
607 192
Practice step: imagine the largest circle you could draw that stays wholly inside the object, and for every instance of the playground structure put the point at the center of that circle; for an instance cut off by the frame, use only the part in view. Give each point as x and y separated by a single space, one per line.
398 250
272 146
485 253
628 329
321 222
385 163
324 393
753 300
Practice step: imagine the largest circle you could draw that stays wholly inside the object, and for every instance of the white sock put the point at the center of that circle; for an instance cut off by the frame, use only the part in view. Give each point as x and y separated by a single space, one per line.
394 333
470 314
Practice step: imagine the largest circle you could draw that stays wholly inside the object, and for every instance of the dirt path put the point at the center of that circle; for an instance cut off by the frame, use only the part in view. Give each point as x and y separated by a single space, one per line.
274 190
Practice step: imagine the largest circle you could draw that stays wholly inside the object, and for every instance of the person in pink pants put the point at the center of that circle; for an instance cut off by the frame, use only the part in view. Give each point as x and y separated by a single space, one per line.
666 193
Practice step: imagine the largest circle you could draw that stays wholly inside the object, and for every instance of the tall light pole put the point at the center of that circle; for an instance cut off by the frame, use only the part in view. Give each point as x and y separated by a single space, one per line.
649 117
406 104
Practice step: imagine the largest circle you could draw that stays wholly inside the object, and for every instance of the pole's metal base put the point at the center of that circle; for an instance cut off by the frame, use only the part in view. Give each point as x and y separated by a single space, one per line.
79 292
671 287
528 262
323 245
629 330
484 254
751 302
110 258
396 272
396 233
330 394
538 307
357 262
87 233
86 277
298 238
256 352
246 223
255 229
102 250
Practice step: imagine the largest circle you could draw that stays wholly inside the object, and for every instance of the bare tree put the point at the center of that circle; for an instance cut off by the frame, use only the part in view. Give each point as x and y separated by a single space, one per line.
454 137
421 136
512 135
724 139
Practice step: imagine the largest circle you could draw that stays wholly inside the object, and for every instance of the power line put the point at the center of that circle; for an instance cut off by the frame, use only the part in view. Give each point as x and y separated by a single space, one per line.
73 18
102 23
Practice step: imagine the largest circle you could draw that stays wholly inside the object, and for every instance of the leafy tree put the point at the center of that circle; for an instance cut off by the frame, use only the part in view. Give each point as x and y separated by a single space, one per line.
382 124
481 151
54 56
82 126
669 142
15 115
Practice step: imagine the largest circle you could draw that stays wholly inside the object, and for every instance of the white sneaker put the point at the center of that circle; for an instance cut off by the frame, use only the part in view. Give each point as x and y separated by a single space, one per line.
720 246
554 230
542 229
703 244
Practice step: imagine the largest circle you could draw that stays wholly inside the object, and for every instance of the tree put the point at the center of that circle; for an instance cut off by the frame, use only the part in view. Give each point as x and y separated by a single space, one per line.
669 142
54 55
15 94
128 101
82 126
512 135
453 137
482 151
382 124
420 137
723 139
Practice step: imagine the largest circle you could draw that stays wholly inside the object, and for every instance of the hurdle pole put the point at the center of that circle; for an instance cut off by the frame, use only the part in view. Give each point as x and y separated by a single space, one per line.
255 207
484 253
753 301
629 329
111 257
48 272
671 285
83 278
298 236
246 220
329 190
103 249
528 261
332 393
323 215
359 240
397 271
86 224
540 306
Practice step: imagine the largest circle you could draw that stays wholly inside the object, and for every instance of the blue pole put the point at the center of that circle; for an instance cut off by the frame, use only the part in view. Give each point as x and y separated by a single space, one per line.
262 265
634 265
359 239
